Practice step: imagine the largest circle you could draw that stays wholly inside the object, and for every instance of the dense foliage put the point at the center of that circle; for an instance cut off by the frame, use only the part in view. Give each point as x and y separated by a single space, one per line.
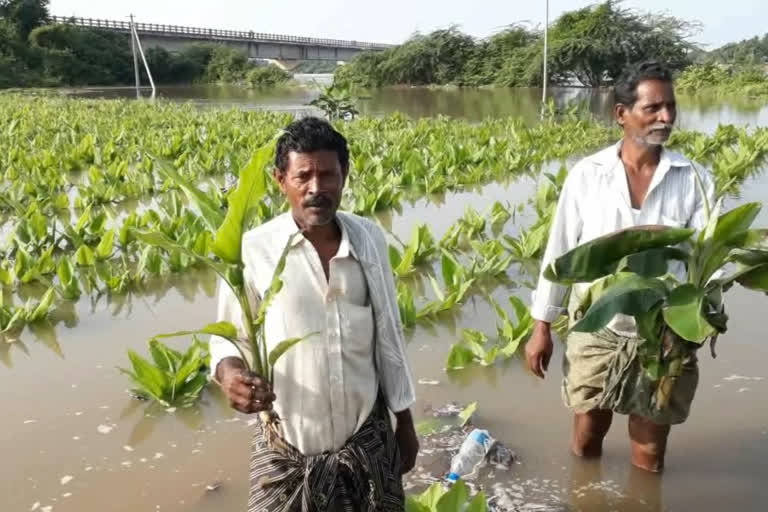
590 46
747 51
34 53
746 80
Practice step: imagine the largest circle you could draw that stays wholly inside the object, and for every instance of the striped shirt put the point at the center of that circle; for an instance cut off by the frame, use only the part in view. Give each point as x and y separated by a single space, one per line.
595 201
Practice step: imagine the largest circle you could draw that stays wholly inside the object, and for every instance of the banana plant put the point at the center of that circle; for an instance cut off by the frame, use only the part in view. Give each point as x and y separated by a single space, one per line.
13 318
629 272
420 250
490 259
171 378
476 347
226 260
438 498
457 284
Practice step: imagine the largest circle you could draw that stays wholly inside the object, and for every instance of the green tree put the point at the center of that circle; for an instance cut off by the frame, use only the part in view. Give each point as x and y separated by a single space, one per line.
25 15
79 56
595 44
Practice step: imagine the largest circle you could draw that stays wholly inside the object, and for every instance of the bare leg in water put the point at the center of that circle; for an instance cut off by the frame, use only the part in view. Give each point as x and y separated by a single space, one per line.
649 443
589 430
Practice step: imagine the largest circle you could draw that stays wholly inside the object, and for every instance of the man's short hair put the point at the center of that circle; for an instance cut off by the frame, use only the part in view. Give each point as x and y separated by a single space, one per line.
625 90
307 135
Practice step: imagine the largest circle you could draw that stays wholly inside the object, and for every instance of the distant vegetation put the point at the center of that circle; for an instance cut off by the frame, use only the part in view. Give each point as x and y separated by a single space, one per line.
34 53
589 46
747 80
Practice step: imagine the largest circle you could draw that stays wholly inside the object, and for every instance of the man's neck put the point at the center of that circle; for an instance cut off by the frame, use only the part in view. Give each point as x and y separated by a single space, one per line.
321 234
639 156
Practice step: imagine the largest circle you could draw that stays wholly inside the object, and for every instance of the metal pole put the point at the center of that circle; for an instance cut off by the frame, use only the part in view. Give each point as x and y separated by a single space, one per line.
144 60
546 30
135 60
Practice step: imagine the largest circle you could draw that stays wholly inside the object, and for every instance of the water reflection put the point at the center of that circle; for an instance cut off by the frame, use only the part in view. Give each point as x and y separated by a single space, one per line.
696 111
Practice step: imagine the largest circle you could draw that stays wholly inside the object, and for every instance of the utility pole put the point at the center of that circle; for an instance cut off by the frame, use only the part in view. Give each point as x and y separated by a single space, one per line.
135 59
546 30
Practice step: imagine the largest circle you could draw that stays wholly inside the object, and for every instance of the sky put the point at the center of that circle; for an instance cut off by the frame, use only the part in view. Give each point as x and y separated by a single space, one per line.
392 21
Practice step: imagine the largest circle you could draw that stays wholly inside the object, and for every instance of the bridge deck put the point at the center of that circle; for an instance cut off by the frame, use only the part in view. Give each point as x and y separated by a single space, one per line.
215 34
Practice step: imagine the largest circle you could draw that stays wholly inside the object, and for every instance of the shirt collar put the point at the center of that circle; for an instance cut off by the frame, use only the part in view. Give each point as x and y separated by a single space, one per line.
288 228
668 158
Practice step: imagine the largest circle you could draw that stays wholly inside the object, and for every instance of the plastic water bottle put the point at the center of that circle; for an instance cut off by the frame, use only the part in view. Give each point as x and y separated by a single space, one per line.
472 452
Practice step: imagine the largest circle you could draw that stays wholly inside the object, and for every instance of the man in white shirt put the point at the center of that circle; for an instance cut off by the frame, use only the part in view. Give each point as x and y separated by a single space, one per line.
634 182
333 391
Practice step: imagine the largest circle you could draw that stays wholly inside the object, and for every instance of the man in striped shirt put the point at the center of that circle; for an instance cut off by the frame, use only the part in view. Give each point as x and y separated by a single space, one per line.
634 182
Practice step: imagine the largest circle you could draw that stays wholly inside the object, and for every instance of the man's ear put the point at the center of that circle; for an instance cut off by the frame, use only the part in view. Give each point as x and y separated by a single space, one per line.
619 112
279 177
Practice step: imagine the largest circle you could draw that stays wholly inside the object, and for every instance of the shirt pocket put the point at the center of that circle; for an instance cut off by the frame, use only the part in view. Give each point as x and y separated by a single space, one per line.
357 330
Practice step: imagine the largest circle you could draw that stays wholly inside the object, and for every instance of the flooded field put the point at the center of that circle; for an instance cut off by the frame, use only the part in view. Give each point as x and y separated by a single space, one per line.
74 439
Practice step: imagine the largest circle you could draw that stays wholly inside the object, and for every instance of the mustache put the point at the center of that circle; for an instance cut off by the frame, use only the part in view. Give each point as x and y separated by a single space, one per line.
661 126
317 202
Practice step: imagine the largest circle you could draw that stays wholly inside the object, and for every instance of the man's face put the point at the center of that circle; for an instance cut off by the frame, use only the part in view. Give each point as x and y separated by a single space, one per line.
649 121
312 183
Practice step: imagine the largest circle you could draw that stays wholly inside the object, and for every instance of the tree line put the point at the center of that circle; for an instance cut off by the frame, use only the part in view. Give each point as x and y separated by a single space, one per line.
588 47
34 53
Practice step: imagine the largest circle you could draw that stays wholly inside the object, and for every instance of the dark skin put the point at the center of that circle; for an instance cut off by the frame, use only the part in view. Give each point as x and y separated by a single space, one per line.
647 125
313 184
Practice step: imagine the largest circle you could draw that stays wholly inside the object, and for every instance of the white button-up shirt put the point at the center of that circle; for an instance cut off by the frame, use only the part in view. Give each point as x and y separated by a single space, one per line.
326 385
595 201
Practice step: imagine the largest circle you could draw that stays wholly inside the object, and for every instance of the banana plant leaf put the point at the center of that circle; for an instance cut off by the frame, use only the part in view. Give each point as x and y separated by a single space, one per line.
628 294
243 206
684 314
602 256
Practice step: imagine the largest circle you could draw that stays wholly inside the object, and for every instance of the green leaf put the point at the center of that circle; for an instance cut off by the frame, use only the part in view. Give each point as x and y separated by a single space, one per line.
84 257
42 308
601 257
209 209
455 499
735 221
755 279
104 249
411 505
150 377
459 357
282 347
630 294
243 203
158 239
276 284
431 426
654 262
222 329
190 366
165 358
684 314
449 268
431 496
394 257
478 504
467 413
409 256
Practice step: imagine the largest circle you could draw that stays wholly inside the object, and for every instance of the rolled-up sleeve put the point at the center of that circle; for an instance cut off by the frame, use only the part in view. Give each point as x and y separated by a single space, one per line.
564 235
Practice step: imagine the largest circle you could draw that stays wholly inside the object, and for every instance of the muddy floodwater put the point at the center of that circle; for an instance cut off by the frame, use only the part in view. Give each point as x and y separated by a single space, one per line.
73 439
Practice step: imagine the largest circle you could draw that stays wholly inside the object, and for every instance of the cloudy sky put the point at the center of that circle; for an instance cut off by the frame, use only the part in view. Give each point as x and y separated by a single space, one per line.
392 21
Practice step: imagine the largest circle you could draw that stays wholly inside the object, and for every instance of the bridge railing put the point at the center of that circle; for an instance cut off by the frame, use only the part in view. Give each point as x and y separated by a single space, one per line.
211 33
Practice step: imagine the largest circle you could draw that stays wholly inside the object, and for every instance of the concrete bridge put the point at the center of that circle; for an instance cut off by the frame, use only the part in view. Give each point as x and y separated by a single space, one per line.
282 49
